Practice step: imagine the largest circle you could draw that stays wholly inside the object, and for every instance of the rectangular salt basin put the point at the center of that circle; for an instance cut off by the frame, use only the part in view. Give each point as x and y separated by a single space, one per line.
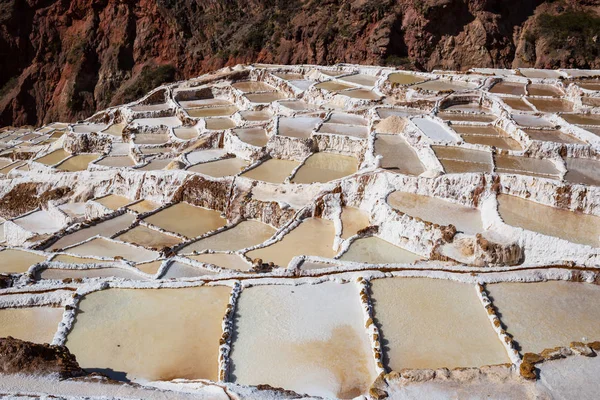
551 105
254 136
526 166
60 274
105 228
437 211
568 225
487 135
225 261
113 201
101 247
457 160
299 127
177 270
432 323
552 135
13 261
353 220
77 163
514 88
397 154
325 167
221 168
217 124
187 220
544 315
583 171
53 158
582 119
360 79
445 85
149 238
272 170
150 334
314 236
243 235
373 250
169 122
536 89
33 324
434 130
466 117
40 222
307 338
405 78
517 104
219 111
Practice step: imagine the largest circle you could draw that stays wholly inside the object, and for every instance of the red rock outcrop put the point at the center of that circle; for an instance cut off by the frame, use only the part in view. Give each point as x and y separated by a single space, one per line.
62 60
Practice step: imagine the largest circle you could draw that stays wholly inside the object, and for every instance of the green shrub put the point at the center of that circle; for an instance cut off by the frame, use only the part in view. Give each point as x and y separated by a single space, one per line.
570 29
149 78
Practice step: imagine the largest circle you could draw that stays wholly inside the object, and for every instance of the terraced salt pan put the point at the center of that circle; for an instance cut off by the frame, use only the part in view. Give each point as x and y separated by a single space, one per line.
514 88
373 250
363 94
187 220
443 86
431 323
254 136
264 97
156 164
434 130
325 167
342 129
68 259
150 334
487 135
117 162
151 138
150 268
33 324
582 119
253 86
185 133
353 220
88 128
178 270
307 338
169 122
569 225
220 168
545 315
437 211
226 261
466 117
218 124
143 206
314 236
531 120
458 160
261 115
551 105
77 163
41 222
539 73
14 261
299 127
113 201
273 170
60 274
200 156
102 247
105 228
53 158
536 89
405 78
149 238
246 234
220 111
517 104
526 166
552 135
333 86
583 171
115 129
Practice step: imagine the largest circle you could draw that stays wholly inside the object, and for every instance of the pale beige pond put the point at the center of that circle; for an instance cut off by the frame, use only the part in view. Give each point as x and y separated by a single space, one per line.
253 86
538 89
333 86
117 162
262 115
299 127
466 117
264 98
53 158
102 247
569 225
398 155
113 201
437 211
105 228
150 268
186 133
179 270
526 166
60 274
405 78
115 129
457 160
226 261
243 235
144 206
33 324
187 220
217 124
583 171
517 104
325 167
150 334
548 314
514 88
552 135
441 85
14 261
77 163
308 338
254 136
582 119
373 250
219 111
221 168
487 135
353 220
314 236
150 238
151 138
432 323
273 170
551 105
363 94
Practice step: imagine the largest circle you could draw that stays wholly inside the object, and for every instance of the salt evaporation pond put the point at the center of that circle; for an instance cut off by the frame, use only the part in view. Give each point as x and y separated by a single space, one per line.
325 167
314 236
65 273
298 127
273 170
246 234
14 261
373 250
53 158
583 171
150 238
545 315
150 334
226 261
353 220
433 323
220 168
573 226
34 324
187 220
77 163
101 247
398 155
457 160
434 130
254 136
526 166
113 201
437 211
307 338
405 78
179 270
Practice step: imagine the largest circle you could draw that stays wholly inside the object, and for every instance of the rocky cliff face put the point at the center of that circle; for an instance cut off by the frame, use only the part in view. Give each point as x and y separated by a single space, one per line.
62 60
